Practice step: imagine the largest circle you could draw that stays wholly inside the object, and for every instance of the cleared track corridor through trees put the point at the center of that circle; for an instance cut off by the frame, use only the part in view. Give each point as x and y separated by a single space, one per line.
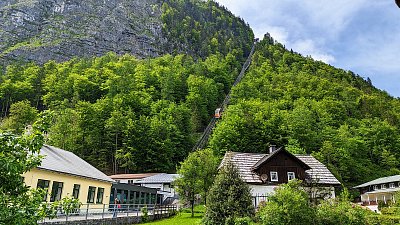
203 140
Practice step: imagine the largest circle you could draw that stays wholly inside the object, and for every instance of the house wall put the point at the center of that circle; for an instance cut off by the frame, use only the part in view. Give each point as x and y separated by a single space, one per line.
282 163
31 179
257 190
164 189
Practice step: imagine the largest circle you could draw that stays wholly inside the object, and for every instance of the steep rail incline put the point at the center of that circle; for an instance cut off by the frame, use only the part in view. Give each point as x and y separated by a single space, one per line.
203 140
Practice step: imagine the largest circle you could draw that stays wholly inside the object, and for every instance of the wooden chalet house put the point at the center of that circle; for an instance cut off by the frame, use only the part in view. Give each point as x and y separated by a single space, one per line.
264 172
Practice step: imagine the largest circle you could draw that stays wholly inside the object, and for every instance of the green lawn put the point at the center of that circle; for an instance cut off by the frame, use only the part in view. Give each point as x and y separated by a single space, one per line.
183 218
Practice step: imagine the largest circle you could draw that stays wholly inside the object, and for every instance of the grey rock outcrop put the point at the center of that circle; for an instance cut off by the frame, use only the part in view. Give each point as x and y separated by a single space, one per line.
42 30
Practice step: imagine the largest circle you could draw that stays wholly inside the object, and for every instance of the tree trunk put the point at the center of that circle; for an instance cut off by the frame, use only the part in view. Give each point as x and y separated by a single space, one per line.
192 203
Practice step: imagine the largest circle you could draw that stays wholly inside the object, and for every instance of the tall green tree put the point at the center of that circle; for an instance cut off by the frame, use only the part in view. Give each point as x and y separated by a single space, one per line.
229 198
18 203
21 115
196 175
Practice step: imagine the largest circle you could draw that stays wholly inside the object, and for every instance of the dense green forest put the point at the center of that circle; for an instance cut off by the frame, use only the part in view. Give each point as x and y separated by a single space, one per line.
141 114
311 107
124 114
201 28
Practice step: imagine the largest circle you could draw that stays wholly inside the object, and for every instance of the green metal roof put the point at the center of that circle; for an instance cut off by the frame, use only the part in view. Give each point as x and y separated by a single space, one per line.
382 180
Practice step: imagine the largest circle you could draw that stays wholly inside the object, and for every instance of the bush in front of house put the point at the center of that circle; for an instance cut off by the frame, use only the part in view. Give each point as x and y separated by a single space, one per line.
289 204
229 198
341 211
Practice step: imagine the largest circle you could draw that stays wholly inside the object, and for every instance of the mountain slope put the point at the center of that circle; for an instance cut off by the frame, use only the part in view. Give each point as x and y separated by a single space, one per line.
311 107
43 30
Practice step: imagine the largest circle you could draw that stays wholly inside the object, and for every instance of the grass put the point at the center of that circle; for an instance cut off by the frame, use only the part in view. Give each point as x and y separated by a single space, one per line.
182 218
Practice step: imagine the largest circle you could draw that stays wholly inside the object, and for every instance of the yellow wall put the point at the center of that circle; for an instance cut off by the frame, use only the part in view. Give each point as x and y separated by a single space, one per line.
31 179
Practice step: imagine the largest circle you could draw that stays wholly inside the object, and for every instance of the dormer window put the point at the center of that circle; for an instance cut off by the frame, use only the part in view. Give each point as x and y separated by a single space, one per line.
391 185
291 175
274 176
383 186
375 187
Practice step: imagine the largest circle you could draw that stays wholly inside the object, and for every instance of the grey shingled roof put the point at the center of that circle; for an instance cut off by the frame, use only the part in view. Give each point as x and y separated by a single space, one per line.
382 180
158 179
62 161
245 161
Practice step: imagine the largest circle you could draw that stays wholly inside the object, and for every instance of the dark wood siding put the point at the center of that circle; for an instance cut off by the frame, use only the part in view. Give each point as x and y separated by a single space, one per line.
282 163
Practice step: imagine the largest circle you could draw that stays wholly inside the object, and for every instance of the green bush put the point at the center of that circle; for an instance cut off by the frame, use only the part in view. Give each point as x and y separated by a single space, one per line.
288 205
394 211
145 214
382 220
340 211
243 221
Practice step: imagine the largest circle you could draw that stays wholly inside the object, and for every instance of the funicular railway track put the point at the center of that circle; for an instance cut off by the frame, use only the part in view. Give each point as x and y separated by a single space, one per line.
203 140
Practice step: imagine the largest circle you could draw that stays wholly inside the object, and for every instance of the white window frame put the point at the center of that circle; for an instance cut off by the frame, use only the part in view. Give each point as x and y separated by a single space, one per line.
375 187
291 175
274 174
391 185
383 186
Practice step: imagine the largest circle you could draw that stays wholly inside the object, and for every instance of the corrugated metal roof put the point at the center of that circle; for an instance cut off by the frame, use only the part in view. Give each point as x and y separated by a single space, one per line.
245 161
158 179
62 161
381 180
132 176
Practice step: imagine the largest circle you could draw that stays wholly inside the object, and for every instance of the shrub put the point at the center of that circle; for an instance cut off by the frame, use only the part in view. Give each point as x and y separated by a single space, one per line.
243 221
229 198
288 205
145 214
382 220
340 211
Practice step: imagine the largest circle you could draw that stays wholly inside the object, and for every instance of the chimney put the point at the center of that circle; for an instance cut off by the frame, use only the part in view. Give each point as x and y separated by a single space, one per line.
272 148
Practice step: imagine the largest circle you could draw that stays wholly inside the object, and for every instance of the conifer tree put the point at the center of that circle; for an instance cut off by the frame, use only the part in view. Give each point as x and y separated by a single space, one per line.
229 198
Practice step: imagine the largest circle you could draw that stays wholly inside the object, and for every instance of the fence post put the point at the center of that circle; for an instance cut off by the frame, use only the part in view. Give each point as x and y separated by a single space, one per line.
87 211
104 207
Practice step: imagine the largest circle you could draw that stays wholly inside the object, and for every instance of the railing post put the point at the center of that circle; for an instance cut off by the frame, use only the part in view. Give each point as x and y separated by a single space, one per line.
104 207
87 211
127 211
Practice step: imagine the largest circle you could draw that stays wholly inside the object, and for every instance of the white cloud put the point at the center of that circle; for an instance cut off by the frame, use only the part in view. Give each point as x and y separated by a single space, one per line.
358 35
308 47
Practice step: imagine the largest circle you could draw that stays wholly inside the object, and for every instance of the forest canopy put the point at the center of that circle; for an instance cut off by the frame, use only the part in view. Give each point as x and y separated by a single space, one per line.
310 107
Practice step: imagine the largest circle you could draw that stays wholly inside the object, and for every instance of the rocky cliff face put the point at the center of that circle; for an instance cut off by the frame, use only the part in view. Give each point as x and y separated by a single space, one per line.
42 30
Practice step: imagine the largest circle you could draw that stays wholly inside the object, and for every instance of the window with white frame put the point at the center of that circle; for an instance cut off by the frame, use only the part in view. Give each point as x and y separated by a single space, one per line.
391 185
383 186
274 176
290 175
375 187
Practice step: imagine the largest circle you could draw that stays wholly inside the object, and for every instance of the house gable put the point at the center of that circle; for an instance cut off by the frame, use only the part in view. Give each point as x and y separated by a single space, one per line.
279 167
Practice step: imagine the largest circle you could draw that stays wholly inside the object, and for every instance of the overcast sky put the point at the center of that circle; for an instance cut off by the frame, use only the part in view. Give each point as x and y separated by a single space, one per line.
358 35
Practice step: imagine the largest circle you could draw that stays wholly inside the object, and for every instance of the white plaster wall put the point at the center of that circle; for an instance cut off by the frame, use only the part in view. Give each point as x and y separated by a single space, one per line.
158 186
257 190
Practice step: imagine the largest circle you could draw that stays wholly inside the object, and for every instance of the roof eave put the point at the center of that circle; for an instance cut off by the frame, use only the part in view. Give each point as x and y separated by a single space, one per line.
76 175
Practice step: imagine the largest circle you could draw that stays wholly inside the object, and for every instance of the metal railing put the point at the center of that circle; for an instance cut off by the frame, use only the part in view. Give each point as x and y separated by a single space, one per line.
102 211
